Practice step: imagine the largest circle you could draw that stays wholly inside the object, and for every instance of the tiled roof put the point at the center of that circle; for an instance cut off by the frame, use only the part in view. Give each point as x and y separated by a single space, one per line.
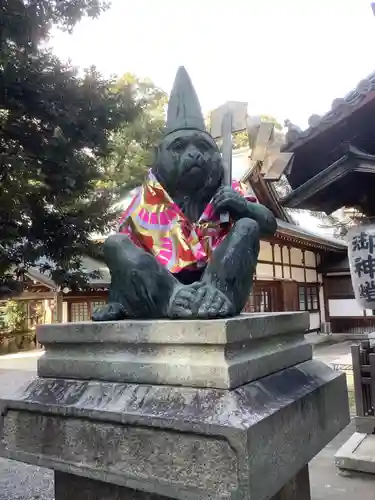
299 232
340 107
89 265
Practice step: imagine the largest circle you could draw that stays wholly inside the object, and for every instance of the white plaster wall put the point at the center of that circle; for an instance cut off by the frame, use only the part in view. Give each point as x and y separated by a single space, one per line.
298 274
282 255
279 272
64 312
287 272
277 251
264 271
285 255
321 303
310 275
310 259
296 256
314 321
344 307
265 252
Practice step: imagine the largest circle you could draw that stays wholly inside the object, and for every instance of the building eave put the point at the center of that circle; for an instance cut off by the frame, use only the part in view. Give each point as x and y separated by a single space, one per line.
310 194
335 264
341 109
292 233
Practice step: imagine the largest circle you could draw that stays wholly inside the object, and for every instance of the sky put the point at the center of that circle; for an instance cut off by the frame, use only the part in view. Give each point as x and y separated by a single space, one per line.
286 58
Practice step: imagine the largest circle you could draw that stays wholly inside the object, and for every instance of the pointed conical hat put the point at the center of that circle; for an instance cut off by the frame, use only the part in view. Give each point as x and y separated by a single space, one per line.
184 109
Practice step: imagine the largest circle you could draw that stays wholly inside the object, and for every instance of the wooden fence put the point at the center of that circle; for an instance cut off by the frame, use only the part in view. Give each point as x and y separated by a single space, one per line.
363 356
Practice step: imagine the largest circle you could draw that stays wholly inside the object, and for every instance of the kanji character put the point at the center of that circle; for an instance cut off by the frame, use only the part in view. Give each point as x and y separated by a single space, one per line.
363 242
365 266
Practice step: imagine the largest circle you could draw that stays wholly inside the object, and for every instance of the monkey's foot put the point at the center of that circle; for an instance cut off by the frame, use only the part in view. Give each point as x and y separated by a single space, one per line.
110 312
200 300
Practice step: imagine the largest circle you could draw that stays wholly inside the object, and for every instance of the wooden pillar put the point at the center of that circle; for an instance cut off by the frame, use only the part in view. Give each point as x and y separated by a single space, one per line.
59 307
297 489
290 296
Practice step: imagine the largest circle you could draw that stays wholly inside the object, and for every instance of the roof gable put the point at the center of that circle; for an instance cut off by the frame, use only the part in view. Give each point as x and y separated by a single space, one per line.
341 108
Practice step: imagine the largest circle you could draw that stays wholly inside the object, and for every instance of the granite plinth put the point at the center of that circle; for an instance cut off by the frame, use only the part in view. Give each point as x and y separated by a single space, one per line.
208 353
67 485
179 442
297 489
357 454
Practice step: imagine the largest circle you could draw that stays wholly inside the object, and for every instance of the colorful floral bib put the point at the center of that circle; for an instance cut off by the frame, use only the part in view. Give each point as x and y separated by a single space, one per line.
155 223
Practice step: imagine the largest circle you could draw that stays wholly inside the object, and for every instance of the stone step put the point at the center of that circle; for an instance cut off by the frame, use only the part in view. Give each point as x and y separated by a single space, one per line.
215 353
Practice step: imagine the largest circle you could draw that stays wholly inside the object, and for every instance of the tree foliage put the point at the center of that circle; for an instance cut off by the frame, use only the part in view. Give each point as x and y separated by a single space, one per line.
25 23
15 316
132 145
341 221
55 126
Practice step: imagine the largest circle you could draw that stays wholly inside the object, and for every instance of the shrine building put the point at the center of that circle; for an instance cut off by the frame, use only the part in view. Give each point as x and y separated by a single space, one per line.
334 167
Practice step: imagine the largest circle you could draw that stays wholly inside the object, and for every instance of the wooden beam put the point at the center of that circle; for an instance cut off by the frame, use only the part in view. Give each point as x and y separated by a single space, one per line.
356 360
282 260
59 307
273 260
372 374
35 296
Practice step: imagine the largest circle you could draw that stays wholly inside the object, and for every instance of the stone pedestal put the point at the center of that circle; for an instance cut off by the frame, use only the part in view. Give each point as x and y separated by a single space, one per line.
297 489
357 454
182 409
67 486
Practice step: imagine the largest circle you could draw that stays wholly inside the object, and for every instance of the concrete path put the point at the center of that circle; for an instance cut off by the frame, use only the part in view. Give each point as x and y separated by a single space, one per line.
22 482
336 354
21 361
327 484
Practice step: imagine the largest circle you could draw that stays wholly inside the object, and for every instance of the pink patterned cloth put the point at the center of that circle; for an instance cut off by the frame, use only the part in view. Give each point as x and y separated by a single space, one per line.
155 223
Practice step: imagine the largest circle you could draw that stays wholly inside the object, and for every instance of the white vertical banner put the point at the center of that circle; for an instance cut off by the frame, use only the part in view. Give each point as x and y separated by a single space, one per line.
361 254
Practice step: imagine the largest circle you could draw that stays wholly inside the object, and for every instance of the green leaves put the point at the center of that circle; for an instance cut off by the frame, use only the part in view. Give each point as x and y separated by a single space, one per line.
132 144
26 23
55 130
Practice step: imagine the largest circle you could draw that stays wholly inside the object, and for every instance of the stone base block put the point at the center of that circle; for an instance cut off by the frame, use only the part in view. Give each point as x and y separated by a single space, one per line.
357 454
224 353
67 486
297 489
179 442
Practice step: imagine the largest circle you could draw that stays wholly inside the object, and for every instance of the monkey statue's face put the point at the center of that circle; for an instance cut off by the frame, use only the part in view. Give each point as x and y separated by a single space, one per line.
188 164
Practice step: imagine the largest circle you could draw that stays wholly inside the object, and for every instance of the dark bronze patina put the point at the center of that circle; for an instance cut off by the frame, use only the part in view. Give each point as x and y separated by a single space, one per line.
189 167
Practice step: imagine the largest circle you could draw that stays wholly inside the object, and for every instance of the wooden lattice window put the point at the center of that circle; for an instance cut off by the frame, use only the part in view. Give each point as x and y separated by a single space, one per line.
308 297
82 311
96 303
263 298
